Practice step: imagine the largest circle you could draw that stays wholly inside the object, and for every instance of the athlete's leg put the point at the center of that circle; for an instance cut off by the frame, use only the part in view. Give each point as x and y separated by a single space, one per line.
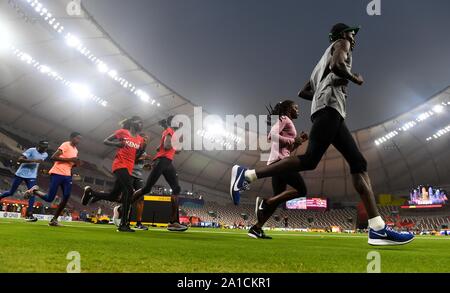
30 183
112 196
297 189
66 186
279 187
156 172
346 145
15 184
379 234
170 174
124 179
55 182
138 183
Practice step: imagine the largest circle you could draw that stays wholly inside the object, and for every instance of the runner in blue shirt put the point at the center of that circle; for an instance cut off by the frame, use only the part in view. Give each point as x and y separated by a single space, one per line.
28 171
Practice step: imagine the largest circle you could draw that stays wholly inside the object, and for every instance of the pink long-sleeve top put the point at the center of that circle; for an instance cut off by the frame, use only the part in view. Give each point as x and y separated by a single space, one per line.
282 135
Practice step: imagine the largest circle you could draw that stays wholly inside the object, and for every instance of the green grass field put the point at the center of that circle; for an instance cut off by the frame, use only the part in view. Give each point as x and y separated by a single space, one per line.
36 247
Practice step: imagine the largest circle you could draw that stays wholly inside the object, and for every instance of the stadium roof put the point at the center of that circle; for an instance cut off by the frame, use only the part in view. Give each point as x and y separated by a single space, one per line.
52 83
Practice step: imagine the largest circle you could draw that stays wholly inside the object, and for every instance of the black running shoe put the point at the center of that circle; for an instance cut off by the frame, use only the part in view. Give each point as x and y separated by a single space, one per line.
141 227
125 228
54 223
31 219
176 227
87 196
257 233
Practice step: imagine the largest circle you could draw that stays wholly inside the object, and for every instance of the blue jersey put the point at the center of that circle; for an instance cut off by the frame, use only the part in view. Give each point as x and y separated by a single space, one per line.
30 170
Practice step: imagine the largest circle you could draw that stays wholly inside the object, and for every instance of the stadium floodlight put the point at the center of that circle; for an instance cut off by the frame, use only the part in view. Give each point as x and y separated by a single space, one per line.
438 109
80 90
113 73
5 38
423 116
72 41
102 67
26 58
143 96
44 69
439 133
408 125
378 141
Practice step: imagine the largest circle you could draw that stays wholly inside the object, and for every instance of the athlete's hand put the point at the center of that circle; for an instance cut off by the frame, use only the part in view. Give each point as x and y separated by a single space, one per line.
297 142
358 79
145 138
148 166
304 136
78 163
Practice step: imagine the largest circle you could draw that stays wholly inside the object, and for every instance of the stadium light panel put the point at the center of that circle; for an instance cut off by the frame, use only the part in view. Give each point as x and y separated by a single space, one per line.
102 67
143 96
5 38
75 43
80 90
44 69
72 41
439 133
423 117
112 73
438 109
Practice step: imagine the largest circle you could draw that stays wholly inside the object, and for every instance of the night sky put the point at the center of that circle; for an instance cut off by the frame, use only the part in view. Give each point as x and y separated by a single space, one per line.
235 56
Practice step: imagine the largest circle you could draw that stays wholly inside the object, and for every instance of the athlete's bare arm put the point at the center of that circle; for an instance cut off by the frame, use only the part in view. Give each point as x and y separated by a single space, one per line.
57 157
113 141
23 159
307 92
341 50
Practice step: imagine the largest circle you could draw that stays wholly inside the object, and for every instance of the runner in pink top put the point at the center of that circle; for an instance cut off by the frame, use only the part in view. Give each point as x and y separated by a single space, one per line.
282 136
284 139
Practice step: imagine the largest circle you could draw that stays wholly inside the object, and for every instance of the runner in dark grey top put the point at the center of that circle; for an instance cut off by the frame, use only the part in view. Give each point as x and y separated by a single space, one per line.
327 89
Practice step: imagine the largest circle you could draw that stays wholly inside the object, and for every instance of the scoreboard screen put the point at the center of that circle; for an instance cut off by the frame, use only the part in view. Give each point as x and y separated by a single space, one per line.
427 196
304 203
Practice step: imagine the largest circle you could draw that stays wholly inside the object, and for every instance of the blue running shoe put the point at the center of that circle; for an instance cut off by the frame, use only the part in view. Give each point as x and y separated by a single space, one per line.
387 236
238 183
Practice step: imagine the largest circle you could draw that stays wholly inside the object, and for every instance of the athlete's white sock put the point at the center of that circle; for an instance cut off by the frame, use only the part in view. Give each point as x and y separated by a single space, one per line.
250 175
376 223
